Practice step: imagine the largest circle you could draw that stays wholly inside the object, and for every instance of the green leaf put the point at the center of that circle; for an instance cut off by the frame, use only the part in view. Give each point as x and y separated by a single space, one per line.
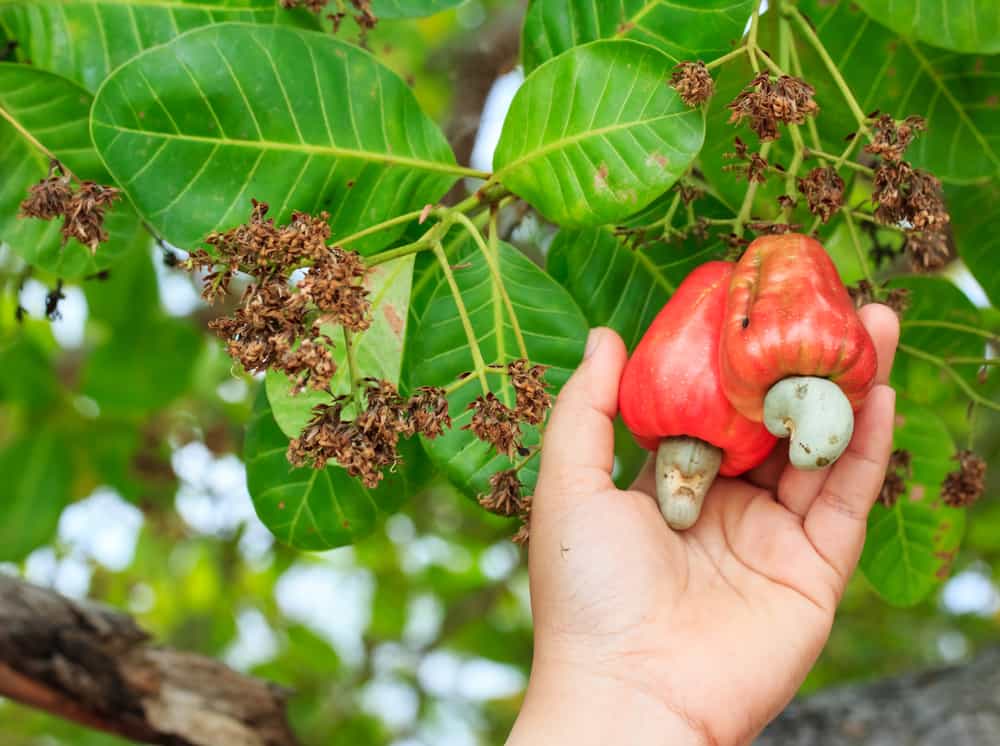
554 332
596 134
194 129
935 305
956 94
411 8
37 475
306 508
54 111
618 286
685 29
977 232
26 373
84 40
139 372
378 352
910 547
961 25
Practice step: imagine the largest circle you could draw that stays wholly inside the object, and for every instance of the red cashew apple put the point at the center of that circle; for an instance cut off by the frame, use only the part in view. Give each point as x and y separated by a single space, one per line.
671 398
794 353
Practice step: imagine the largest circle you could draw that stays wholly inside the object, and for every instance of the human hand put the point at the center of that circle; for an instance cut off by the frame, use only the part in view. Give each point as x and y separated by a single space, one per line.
644 635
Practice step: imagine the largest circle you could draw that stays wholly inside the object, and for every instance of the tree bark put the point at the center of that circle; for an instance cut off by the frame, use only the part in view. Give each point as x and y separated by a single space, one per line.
96 666
956 706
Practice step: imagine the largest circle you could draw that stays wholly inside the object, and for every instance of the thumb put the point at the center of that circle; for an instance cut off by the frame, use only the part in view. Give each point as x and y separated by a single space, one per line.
579 439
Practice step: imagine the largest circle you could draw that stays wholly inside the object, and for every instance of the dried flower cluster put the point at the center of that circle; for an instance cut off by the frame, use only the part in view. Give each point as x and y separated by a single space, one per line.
278 326
692 82
369 443
892 138
495 423
504 497
824 192
908 196
863 293
766 103
364 18
752 165
965 485
82 211
898 471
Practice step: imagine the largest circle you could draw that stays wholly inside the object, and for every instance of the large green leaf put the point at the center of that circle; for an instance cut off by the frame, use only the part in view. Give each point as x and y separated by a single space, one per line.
936 305
312 509
960 25
36 482
910 547
53 111
618 286
411 8
144 370
685 29
976 223
596 134
195 128
955 93
86 39
378 352
554 332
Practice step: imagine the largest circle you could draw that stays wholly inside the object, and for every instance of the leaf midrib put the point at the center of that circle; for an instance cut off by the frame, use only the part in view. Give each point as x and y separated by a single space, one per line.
566 141
169 4
328 150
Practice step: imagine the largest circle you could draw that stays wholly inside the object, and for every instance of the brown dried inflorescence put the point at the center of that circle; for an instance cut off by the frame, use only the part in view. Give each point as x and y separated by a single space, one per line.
48 199
910 196
896 474
334 285
524 532
278 326
368 444
767 102
504 497
863 293
83 211
927 251
84 215
495 423
965 486
529 386
891 138
824 192
693 82
427 412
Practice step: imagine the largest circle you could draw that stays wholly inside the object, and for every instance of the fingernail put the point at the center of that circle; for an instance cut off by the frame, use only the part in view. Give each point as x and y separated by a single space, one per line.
593 342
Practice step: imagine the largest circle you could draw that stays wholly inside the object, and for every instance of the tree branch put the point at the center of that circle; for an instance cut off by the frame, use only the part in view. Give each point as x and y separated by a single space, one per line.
96 666
944 707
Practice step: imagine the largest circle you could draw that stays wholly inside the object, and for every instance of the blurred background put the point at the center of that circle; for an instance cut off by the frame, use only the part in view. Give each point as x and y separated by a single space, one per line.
120 433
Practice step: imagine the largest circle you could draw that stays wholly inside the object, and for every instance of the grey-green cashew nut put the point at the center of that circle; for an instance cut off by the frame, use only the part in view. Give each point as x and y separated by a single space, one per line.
685 469
814 415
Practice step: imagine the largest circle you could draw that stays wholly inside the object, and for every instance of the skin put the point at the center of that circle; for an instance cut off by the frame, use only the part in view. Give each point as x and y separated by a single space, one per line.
644 635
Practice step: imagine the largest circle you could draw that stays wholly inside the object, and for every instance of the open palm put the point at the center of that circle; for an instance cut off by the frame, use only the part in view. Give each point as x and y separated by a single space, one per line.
721 623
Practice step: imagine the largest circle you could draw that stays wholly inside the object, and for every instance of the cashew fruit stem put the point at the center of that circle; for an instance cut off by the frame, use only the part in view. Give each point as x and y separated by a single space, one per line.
816 417
685 469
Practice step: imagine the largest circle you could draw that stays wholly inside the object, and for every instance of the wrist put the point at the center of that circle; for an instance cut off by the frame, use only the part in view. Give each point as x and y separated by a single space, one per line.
568 704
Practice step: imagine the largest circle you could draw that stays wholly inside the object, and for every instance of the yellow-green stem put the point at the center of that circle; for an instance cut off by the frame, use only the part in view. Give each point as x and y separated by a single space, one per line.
491 260
989 336
33 141
741 50
463 314
352 370
856 241
954 374
807 31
